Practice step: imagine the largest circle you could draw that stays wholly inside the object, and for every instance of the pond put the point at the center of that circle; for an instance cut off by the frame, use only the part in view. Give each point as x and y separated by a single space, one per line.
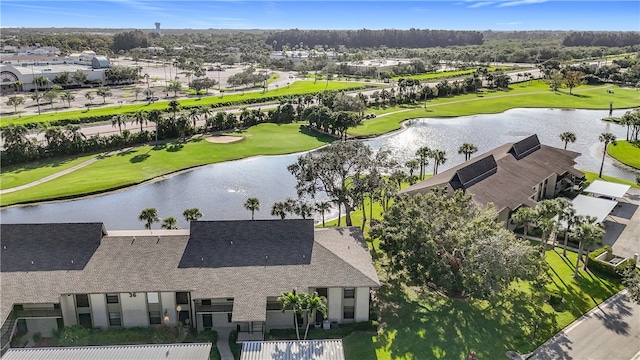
220 190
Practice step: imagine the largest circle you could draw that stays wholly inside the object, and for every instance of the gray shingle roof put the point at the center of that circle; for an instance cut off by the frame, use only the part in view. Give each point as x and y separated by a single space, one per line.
512 185
248 243
47 247
339 258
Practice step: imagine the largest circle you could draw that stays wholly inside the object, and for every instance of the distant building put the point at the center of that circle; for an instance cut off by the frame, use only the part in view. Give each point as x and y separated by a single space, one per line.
158 28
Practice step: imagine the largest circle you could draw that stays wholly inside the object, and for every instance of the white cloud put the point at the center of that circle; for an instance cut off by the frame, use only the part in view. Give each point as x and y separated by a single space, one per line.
481 4
520 2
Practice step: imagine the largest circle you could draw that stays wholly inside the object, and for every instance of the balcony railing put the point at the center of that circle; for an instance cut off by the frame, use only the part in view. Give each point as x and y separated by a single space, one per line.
214 308
38 313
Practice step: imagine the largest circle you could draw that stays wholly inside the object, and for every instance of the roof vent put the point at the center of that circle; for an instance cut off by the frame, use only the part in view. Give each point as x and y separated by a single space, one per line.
4 247
231 242
72 261
31 262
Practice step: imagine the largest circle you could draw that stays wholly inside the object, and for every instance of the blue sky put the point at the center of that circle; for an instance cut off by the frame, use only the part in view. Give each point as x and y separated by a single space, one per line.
231 14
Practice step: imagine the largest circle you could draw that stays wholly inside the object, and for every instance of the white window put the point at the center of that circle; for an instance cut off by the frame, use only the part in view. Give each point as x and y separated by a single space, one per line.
153 298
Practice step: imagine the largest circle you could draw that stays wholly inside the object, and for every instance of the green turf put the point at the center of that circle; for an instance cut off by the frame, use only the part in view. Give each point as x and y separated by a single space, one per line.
448 74
594 176
418 324
626 152
536 95
146 162
297 88
16 175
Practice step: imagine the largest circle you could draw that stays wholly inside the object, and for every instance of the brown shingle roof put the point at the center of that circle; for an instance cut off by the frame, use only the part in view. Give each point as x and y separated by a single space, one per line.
339 258
512 185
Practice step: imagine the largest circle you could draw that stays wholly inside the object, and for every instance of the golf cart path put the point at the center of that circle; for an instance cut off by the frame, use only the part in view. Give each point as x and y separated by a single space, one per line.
61 173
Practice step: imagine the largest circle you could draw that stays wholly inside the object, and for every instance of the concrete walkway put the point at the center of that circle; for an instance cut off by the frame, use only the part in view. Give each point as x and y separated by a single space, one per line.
61 173
223 345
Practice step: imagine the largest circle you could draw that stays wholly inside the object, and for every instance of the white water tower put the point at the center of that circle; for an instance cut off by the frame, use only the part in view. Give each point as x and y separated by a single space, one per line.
158 28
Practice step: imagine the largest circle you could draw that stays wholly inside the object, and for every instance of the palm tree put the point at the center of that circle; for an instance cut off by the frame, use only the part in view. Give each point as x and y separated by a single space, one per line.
192 214
253 205
291 300
155 117
588 233
606 138
311 304
467 149
569 216
174 106
423 154
68 97
75 135
322 207
169 223
149 215
438 159
302 209
118 120
139 117
525 216
279 209
567 137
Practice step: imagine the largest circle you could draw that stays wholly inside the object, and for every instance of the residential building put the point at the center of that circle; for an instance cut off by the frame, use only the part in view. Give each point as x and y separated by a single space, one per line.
216 275
512 175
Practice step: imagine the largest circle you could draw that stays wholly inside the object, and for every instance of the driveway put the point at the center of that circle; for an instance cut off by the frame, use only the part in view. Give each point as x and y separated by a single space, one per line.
623 225
610 331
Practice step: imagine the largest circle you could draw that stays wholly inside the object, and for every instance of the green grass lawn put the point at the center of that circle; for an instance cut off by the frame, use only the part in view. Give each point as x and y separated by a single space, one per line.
418 324
594 176
297 88
16 175
146 162
626 152
448 74
536 95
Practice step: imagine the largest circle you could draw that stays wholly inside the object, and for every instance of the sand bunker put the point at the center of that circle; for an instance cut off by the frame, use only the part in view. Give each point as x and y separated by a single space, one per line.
223 139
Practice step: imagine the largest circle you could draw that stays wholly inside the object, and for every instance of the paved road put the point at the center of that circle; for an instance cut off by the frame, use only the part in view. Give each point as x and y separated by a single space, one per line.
611 331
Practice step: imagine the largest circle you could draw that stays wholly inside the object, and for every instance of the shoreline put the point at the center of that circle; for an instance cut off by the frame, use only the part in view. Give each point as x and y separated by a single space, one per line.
404 124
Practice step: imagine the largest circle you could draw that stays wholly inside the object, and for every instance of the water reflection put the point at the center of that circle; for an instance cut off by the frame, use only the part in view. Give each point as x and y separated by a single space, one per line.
220 190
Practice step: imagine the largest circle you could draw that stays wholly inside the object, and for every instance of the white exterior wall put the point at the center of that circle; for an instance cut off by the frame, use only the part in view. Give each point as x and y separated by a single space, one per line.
68 308
551 186
168 301
99 310
37 306
362 304
280 320
134 310
334 304
45 327
220 320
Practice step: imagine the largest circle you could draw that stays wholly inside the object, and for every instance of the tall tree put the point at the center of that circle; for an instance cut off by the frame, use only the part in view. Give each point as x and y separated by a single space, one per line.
252 204
588 233
423 154
155 116
525 216
192 214
149 216
467 149
447 242
311 304
104 93
567 137
139 117
606 138
330 168
573 79
174 106
439 158
68 97
118 120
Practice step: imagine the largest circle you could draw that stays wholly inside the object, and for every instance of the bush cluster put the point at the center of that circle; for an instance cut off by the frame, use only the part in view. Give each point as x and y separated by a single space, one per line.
605 268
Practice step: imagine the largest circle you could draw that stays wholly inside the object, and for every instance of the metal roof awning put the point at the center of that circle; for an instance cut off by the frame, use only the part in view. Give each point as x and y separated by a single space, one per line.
608 189
293 349
592 206
121 352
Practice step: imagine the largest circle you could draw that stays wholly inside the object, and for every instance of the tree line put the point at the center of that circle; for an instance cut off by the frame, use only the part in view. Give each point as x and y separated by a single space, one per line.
365 38
602 38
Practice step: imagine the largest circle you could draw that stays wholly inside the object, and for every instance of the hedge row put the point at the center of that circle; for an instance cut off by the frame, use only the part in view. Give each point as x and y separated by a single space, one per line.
606 268
232 103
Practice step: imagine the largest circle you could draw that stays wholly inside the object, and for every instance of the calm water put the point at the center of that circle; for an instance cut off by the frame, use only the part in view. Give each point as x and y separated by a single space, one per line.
220 190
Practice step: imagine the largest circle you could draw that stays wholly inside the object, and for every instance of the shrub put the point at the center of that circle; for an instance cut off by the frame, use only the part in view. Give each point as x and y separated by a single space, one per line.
342 331
75 335
233 344
555 298
37 337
